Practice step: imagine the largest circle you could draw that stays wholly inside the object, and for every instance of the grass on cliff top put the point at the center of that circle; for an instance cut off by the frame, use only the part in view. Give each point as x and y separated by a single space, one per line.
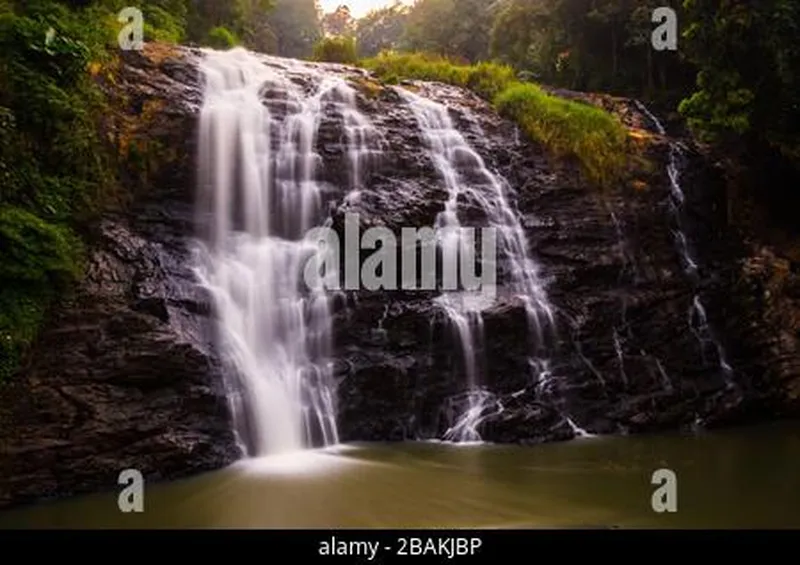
596 139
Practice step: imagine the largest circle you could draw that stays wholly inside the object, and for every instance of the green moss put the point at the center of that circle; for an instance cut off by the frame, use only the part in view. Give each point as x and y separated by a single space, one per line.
590 135
21 315
369 88
35 252
38 262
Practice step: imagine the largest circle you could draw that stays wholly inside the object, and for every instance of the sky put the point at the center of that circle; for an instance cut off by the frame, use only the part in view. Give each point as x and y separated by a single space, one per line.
358 8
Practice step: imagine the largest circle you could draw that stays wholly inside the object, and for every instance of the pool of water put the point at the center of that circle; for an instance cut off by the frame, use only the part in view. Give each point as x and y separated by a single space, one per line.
746 478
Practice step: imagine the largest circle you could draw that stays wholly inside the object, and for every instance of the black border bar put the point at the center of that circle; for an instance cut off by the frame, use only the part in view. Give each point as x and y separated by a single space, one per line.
394 546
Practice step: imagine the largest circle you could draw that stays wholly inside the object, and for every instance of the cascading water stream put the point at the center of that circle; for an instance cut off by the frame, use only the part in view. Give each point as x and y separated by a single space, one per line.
258 197
466 176
364 141
698 321
623 332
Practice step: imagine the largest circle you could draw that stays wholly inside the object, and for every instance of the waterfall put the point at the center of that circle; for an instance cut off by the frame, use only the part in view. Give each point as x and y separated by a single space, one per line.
363 139
622 333
698 321
467 178
258 197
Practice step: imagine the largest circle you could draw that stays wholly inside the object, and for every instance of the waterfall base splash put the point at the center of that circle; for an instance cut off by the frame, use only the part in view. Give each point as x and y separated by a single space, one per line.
466 412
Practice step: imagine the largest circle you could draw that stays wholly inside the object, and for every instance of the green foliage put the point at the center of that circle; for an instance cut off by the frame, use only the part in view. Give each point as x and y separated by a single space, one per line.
296 27
603 45
8 133
569 130
222 38
748 87
734 77
595 138
719 108
381 30
43 47
54 106
393 66
21 313
336 50
251 24
38 260
490 79
453 28
224 23
54 167
161 25
36 252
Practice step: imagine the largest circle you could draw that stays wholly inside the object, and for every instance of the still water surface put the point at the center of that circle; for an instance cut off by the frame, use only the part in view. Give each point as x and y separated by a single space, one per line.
745 478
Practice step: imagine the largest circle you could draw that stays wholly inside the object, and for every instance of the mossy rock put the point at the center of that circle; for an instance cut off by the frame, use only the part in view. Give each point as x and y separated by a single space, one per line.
370 88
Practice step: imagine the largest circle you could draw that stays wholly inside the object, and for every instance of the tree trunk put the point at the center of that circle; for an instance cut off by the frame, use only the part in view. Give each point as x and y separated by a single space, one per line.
614 56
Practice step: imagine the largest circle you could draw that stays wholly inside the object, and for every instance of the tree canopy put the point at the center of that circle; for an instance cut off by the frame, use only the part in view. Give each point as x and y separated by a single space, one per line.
734 74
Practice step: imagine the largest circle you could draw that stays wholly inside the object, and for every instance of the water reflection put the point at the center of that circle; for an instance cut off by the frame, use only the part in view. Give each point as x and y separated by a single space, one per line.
738 478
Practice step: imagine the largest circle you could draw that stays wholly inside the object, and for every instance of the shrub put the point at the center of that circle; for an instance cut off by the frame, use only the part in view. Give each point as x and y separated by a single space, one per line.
222 38
38 262
336 50
55 168
160 25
